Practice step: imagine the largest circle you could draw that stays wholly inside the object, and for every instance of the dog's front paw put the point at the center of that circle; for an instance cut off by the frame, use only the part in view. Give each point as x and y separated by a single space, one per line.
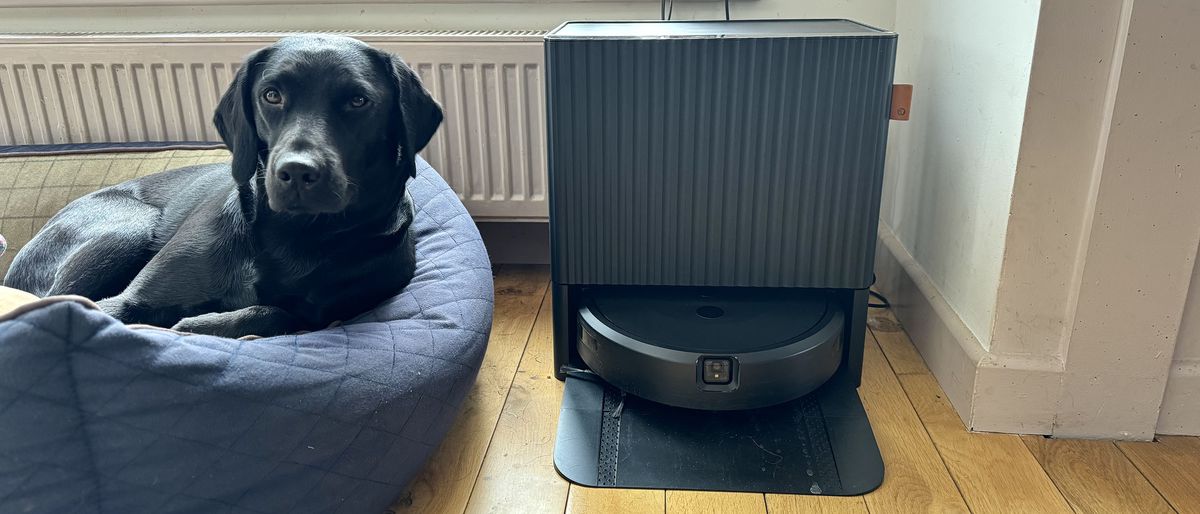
213 324
118 308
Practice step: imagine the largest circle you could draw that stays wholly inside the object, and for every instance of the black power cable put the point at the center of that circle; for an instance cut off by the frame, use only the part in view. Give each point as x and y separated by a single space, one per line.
883 301
667 7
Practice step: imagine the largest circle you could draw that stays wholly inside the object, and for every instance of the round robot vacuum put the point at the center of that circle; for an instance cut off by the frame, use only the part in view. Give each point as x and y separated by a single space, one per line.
711 349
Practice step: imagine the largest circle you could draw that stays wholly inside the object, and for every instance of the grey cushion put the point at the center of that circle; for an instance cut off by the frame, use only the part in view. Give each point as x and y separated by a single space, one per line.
98 417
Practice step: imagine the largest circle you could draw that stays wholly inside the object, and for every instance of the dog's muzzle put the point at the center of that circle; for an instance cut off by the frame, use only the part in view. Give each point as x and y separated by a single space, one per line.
303 183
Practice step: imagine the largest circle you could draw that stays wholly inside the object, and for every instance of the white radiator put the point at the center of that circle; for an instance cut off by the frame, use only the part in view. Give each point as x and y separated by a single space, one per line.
85 88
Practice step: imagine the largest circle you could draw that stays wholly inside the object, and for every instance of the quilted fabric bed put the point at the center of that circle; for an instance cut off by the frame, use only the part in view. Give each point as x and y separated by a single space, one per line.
99 417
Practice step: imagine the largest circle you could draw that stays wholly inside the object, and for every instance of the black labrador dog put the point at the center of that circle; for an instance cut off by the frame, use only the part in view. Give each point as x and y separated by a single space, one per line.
308 225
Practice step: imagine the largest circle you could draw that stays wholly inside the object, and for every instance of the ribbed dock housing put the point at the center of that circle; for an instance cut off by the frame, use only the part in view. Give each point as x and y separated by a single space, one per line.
718 160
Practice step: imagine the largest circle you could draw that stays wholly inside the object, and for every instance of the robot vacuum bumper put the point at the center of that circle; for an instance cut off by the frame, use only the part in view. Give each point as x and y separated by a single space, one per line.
711 349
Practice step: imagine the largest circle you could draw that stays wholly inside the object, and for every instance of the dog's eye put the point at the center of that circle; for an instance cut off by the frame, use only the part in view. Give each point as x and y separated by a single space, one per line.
358 101
272 96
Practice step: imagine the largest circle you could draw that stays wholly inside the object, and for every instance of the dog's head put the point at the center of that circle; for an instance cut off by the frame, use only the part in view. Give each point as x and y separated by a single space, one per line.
331 123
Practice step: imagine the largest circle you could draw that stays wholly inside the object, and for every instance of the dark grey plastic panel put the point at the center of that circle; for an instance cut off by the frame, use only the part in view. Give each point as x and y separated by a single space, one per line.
703 28
717 162
821 444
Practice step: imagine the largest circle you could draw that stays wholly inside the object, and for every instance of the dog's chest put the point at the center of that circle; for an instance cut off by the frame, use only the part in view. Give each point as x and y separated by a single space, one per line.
243 287
288 276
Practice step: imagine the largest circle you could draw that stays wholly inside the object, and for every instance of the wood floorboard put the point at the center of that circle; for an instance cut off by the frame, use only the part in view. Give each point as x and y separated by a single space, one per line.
915 478
993 472
498 457
1095 476
518 472
900 352
996 473
805 504
698 502
1172 465
594 500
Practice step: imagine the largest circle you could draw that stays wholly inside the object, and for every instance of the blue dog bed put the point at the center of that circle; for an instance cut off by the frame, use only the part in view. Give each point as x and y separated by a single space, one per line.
99 417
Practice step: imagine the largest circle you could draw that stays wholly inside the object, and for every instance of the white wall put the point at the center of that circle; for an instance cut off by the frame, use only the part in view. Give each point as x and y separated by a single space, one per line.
1072 87
1143 236
951 168
1180 411
439 15
1097 311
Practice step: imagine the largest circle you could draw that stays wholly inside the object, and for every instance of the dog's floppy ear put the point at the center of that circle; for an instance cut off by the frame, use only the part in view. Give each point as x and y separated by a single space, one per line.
419 112
234 119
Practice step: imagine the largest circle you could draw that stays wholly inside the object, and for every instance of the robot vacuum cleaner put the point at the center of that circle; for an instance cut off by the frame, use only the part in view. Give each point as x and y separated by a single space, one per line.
712 349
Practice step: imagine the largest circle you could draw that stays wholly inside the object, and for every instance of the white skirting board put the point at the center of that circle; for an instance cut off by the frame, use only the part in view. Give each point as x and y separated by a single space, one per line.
1180 412
84 88
991 393
949 348
994 392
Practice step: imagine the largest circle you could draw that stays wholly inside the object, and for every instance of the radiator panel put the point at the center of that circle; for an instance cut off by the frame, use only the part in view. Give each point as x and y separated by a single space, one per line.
109 88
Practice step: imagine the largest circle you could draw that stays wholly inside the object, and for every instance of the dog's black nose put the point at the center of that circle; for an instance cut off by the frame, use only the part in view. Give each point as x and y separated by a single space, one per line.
298 171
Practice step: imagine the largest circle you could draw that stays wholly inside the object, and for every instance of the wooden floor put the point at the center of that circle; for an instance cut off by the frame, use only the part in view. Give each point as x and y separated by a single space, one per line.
498 456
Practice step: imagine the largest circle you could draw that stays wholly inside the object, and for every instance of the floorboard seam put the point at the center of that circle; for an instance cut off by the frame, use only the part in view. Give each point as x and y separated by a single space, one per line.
541 299
1145 477
924 428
